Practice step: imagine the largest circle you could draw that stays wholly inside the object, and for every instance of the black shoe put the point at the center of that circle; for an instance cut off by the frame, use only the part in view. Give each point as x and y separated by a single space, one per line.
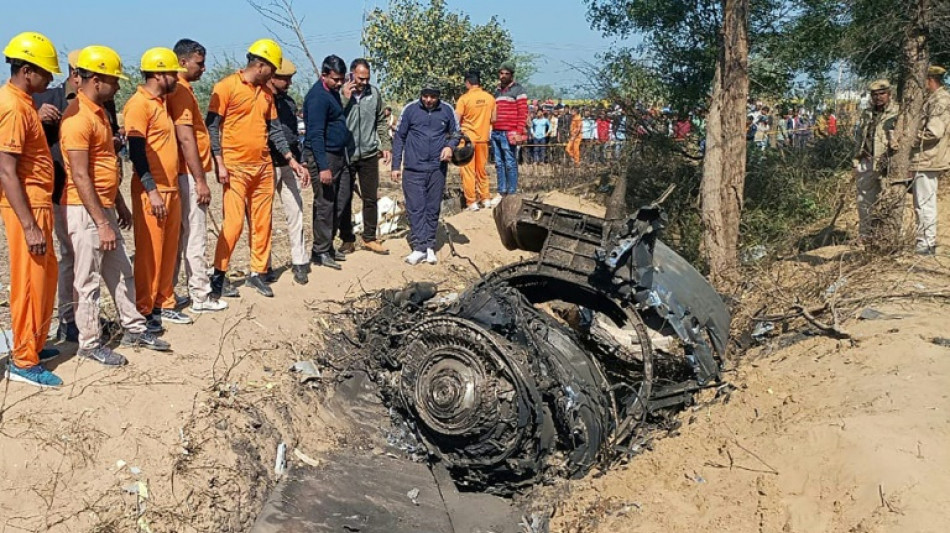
67 331
300 274
339 256
257 281
217 283
48 354
327 261
103 355
270 276
153 322
145 340
221 286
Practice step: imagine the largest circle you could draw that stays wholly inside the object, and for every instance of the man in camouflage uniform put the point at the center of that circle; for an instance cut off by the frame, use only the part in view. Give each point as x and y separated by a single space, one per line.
874 134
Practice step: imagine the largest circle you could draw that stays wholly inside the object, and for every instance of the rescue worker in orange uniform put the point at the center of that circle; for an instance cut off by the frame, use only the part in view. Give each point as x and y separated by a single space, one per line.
26 206
156 203
194 170
574 143
95 211
242 118
475 110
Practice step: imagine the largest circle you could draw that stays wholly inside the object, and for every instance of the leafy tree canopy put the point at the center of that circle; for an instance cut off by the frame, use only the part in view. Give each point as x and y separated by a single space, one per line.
411 42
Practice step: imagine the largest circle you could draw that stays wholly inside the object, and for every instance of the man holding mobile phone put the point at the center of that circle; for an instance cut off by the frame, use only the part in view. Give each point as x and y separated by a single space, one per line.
367 125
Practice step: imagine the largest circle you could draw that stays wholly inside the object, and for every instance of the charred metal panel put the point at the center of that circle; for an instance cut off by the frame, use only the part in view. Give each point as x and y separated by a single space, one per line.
621 261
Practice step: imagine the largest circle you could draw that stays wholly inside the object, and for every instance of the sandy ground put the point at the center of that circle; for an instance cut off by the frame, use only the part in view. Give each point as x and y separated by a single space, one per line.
820 436
199 426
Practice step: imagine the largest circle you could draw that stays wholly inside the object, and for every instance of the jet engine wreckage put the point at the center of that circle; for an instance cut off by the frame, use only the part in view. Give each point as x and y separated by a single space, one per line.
550 366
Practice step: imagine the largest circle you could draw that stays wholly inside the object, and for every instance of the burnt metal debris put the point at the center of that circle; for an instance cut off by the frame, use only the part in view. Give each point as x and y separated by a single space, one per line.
554 365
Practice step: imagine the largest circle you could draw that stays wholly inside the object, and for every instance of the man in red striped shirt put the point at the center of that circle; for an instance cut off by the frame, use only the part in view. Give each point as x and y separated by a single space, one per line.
508 130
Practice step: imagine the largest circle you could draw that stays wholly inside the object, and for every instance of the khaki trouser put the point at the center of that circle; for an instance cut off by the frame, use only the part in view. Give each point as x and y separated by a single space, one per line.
289 191
93 265
193 241
67 292
924 189
868 182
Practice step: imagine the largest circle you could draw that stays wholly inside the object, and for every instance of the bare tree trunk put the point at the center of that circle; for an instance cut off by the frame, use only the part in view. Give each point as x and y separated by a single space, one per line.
617 202
724 164
888 214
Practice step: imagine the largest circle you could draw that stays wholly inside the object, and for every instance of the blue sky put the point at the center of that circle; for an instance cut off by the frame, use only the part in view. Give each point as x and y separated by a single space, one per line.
557 30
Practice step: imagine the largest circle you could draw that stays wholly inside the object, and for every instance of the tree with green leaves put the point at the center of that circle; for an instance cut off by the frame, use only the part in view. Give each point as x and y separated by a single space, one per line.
703 48
410 42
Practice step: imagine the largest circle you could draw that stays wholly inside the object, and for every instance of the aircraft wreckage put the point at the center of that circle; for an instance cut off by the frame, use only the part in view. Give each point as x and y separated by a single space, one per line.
549 366
542 369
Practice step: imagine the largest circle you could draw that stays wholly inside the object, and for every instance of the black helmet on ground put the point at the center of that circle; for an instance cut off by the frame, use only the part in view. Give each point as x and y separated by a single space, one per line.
464 152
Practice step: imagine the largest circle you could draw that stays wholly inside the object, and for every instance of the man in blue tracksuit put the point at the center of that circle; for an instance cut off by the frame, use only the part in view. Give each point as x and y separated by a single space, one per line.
422 147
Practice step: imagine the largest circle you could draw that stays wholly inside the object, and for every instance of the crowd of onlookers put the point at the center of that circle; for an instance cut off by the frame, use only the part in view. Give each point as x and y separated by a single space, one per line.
788 128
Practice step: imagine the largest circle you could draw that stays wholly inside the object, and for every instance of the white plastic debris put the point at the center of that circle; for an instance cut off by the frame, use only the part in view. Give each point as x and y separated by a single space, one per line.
135 470
280 464
306 371
413 496
387 216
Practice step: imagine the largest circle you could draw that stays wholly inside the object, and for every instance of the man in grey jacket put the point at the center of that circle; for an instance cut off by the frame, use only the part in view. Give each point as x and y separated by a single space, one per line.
369 141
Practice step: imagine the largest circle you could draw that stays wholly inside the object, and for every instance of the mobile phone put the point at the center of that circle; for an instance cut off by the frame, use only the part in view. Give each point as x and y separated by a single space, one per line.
350 77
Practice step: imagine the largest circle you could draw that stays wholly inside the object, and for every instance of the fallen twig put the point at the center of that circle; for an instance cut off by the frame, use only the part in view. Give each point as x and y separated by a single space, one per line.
833 329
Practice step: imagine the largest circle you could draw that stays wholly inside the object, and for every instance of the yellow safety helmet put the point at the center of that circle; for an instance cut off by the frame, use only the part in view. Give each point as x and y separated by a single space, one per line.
160 59
101 60
72 58
35 49
287 68
269 50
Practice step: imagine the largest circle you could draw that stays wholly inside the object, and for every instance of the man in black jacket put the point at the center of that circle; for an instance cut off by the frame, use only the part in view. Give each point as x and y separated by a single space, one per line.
325 154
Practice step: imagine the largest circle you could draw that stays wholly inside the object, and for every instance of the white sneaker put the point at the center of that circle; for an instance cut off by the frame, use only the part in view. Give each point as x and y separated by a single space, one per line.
208 306
486 204
495 201
430 257
473 207
415 258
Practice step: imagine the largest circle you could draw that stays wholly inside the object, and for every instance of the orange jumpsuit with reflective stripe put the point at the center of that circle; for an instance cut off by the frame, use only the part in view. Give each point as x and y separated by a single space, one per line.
156 242
32 277
245 109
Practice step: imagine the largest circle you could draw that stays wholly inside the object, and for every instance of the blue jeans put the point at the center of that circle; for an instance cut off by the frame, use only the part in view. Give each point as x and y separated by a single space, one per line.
538 149
506 163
